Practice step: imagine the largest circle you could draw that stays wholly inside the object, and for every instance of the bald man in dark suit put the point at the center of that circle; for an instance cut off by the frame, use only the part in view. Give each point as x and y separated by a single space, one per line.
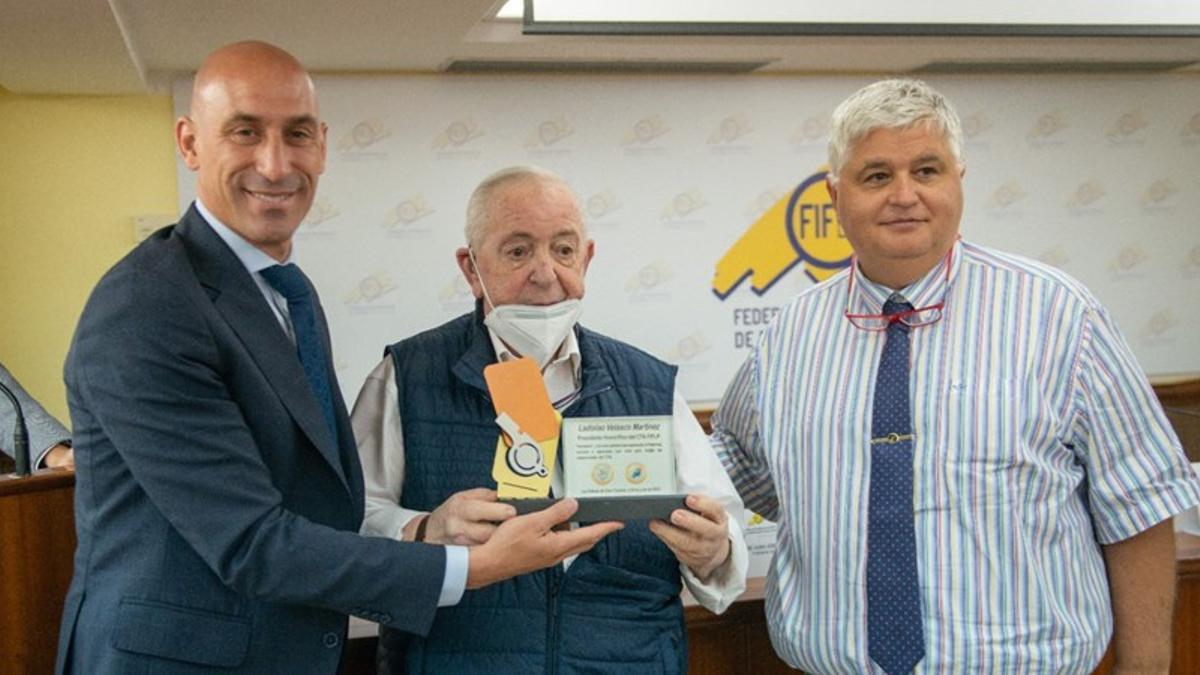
219 493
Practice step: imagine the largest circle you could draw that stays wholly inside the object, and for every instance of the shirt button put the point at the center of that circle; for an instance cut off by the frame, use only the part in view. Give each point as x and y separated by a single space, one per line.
332 640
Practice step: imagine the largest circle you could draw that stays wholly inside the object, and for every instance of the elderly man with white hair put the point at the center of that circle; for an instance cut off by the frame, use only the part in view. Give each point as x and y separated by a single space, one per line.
969 471
427 440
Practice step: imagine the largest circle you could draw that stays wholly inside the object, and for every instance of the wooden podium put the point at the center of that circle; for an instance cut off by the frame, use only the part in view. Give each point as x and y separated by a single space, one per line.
37 545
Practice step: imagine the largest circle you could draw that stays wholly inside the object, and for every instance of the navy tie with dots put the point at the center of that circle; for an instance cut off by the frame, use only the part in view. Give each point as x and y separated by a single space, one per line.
293 285
895 637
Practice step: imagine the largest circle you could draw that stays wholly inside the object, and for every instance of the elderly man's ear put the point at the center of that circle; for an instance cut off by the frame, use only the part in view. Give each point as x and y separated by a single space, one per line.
467 266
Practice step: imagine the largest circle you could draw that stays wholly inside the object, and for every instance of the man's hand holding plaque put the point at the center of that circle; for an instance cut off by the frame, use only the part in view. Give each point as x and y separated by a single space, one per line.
699 537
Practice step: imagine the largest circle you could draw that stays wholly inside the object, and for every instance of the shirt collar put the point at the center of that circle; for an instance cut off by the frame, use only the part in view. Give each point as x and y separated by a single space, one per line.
567 353
928 290
252 257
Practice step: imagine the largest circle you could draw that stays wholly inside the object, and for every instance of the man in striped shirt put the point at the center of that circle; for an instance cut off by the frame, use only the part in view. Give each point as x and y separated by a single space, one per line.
1043 471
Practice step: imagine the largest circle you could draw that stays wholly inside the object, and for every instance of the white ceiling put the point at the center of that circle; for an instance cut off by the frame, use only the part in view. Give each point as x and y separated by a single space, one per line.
134 46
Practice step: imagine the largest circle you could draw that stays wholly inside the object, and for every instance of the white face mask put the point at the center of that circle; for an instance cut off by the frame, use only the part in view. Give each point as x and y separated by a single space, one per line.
536 331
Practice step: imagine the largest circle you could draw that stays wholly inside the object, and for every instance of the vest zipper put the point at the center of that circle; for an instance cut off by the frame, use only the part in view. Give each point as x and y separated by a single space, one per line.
584 395
553 583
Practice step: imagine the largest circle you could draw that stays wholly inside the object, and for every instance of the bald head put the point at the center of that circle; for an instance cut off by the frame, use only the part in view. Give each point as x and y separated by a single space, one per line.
255 141
250 60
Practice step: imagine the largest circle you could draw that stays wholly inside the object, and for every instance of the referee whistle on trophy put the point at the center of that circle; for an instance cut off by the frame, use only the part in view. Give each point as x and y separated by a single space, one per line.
527 447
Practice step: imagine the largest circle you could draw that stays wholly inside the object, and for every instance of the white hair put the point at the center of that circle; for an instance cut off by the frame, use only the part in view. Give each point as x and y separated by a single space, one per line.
891 104
479 206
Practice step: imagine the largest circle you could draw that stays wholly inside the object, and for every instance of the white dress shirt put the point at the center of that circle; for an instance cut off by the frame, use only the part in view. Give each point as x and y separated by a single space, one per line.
377 426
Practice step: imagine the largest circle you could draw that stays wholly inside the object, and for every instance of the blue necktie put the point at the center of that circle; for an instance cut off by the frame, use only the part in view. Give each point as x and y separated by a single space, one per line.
895 638
293 285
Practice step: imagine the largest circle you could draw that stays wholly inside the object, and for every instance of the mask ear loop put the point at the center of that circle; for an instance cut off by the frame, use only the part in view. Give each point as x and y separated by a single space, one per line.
475 266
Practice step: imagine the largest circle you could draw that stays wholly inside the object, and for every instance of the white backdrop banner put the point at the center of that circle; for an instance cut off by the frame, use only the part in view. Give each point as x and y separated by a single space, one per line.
705 199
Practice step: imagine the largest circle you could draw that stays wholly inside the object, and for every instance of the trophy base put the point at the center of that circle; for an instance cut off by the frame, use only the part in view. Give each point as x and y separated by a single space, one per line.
598 509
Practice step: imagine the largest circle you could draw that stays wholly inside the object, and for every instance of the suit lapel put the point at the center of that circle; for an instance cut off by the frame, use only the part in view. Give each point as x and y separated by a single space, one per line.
240 302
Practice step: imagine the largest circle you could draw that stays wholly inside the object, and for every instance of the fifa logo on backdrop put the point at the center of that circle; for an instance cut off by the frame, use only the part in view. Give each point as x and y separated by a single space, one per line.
800 228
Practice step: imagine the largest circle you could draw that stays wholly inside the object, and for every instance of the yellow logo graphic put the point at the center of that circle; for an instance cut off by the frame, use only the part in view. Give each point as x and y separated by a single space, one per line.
322 210
812 130
974 125
1009 193
1192 128
802 227
1158 192
730 129
1086 194
1193 258
650 276
548 133
1055 256
1161 323
1047 125
457 134
683 205
601 204
689 347
645 130
365 133
1127 125
1128 258
456 290
407 212
370 288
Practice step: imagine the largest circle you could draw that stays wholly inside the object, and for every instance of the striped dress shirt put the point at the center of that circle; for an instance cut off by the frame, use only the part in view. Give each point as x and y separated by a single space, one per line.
1037 438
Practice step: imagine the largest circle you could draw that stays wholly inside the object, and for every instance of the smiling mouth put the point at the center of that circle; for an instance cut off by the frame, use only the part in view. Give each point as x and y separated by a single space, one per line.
271 197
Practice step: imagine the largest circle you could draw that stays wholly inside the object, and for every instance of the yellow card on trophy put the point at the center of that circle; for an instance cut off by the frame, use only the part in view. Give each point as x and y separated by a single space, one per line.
528 445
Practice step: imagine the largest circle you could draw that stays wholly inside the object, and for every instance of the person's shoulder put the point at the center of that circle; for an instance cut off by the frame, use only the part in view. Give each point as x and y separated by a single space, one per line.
613 345
1045 278
798 311
153 266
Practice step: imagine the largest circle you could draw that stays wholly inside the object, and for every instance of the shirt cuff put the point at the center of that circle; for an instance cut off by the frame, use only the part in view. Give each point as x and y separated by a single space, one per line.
455 581
727 583
36 461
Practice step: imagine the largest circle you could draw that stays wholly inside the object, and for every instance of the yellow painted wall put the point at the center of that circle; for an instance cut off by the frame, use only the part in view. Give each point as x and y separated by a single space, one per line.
74 170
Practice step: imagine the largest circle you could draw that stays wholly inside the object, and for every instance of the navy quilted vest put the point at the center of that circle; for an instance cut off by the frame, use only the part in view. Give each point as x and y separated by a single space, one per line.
617 609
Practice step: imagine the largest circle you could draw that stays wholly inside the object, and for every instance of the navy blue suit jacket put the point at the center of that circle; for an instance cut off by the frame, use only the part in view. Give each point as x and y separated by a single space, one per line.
216 514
